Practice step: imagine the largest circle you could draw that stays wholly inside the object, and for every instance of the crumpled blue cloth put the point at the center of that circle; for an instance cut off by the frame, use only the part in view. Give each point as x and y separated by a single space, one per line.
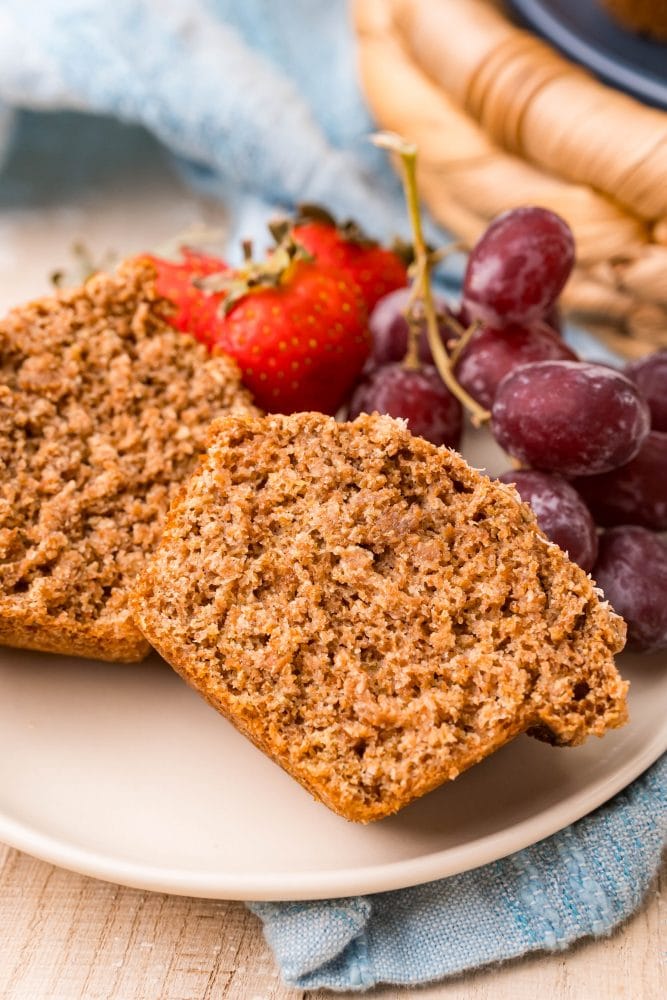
260 105
258 99
582 881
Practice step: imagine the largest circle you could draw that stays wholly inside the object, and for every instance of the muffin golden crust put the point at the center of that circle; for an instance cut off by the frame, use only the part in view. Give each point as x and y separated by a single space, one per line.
370 611
103 412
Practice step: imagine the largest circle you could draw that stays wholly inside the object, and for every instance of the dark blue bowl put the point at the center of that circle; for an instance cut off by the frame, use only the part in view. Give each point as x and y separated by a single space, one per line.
585 32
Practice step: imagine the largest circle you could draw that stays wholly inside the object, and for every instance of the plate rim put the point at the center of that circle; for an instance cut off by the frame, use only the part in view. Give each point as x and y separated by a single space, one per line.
642 86
335 883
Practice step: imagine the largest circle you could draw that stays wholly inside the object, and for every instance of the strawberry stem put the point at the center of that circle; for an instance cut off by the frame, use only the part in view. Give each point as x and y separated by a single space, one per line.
407 152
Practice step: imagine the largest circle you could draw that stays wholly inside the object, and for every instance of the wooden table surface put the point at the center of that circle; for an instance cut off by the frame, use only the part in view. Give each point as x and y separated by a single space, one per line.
67 937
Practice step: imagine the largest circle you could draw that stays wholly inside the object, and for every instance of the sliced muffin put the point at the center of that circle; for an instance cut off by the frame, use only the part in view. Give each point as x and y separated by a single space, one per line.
103 412
370 611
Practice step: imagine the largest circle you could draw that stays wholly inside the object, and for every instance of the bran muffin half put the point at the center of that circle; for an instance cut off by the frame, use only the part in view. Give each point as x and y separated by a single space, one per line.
103 412
370 611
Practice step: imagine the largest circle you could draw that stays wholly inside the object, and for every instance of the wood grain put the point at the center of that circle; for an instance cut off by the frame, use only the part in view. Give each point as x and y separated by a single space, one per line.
67 937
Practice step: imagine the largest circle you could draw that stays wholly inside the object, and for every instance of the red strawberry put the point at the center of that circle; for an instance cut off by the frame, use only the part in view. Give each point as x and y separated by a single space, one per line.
298 332
196 311
375 269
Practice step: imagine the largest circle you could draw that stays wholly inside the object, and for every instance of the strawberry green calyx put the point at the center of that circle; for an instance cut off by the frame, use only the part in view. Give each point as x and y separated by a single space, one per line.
310 214
350 231
376 270
253 276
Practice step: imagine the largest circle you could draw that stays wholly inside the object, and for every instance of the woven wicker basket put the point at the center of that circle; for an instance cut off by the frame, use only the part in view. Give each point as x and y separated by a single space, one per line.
502 120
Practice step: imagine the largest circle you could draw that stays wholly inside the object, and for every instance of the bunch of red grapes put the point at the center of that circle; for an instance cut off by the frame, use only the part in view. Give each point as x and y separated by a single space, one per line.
591 441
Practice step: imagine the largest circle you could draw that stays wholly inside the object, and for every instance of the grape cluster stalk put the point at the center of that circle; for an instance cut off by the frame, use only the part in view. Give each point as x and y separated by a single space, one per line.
588 442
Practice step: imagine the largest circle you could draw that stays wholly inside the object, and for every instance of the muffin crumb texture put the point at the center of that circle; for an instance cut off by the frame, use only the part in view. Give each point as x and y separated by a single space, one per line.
370 611
103 412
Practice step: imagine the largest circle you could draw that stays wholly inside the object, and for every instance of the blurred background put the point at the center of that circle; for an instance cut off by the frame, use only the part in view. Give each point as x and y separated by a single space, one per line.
125 125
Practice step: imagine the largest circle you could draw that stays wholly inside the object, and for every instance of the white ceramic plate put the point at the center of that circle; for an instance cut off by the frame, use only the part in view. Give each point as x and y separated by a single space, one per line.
123 773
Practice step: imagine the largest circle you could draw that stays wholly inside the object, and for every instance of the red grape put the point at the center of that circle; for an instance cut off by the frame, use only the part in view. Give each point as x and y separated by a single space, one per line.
635 493
492 352
389 327
569 417
554 319
631 569
518 268
650 375
419 396
560 513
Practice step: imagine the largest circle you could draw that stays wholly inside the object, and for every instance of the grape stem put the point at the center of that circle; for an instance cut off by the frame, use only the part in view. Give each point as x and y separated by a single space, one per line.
463 341
407 152
442 252
411 359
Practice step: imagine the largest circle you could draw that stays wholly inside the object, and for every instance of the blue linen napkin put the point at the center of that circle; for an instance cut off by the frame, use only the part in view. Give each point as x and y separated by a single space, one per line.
582 881
260 104
258 99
